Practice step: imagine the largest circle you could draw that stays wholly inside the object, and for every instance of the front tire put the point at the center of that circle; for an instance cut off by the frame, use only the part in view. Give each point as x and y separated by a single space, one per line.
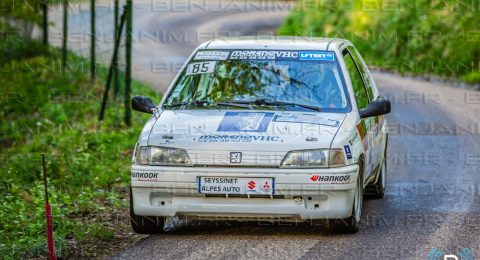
352 224
145 224
377 190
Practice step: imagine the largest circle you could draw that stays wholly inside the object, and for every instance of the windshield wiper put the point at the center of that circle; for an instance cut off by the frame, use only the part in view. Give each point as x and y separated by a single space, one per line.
200 103
268 102
232 104
193 102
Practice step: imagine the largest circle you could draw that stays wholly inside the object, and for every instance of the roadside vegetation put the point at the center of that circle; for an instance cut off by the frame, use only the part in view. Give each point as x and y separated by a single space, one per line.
44 110
421 37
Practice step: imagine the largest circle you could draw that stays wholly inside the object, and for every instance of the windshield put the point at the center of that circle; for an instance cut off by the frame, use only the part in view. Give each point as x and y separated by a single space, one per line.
292 80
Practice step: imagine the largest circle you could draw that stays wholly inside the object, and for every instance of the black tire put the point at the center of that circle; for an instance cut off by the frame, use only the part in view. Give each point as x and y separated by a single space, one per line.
145 224
377 189
351 224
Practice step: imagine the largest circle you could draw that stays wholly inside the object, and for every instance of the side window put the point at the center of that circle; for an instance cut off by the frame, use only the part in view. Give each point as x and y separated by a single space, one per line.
363 71
357 83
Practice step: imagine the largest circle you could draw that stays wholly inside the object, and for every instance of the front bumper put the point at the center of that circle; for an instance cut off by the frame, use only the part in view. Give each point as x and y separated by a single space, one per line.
170 191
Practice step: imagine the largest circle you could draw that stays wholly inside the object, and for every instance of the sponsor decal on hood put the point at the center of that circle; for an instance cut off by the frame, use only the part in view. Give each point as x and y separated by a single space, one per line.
238 138
306 118
245 122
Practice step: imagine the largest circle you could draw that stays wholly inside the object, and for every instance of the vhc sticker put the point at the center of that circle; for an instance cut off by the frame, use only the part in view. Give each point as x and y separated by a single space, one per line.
245 122
348 152
317 55
262 55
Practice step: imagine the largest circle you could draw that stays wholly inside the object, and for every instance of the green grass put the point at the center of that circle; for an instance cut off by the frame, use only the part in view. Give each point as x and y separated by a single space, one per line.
43 110
414 37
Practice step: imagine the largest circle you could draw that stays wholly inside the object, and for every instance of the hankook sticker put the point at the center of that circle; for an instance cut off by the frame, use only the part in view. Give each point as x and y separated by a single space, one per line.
331 178
140 176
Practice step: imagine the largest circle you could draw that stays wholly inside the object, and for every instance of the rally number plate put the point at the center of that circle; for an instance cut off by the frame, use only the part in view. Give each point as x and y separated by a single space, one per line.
236 185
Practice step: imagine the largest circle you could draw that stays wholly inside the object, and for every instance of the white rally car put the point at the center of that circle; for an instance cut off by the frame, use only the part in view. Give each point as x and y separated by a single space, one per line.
287 130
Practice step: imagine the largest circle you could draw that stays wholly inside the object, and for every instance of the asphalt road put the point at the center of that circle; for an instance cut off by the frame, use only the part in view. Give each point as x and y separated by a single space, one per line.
433 184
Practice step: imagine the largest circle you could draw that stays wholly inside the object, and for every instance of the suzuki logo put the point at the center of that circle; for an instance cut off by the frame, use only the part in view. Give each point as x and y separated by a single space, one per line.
251 185
314 177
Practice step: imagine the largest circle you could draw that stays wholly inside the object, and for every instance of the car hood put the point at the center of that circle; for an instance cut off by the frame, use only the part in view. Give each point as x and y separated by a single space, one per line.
263 137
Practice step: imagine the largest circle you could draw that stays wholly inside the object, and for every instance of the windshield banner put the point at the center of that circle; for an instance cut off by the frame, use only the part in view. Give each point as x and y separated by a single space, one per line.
265 55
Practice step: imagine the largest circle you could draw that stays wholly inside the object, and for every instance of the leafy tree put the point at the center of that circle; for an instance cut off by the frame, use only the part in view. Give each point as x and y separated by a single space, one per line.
421 37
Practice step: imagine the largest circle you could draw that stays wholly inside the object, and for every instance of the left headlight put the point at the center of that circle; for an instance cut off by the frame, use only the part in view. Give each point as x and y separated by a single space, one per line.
153 155
317 158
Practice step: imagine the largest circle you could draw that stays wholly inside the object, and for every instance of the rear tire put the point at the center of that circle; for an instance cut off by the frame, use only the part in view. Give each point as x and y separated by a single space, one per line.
145 224
351 225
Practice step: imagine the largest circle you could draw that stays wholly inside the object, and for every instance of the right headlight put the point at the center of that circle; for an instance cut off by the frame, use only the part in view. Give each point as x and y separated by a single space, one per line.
315 158
154 155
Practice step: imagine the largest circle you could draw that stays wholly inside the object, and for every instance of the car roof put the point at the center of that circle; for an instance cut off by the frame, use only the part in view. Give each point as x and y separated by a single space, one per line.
276 43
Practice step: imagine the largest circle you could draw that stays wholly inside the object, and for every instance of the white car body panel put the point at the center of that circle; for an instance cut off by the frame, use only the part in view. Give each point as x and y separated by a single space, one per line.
184 129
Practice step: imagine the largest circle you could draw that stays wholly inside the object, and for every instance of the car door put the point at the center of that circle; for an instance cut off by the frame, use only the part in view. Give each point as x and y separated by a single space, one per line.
378 136
366 126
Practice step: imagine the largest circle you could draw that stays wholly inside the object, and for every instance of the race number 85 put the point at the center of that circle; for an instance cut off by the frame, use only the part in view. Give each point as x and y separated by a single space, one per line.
201 67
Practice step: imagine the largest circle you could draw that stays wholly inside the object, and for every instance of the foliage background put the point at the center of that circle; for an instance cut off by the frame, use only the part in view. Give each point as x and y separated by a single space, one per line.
432 37
45 110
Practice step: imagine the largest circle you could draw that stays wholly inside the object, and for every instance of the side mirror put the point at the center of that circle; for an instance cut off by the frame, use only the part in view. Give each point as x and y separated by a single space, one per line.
143 104
375 108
